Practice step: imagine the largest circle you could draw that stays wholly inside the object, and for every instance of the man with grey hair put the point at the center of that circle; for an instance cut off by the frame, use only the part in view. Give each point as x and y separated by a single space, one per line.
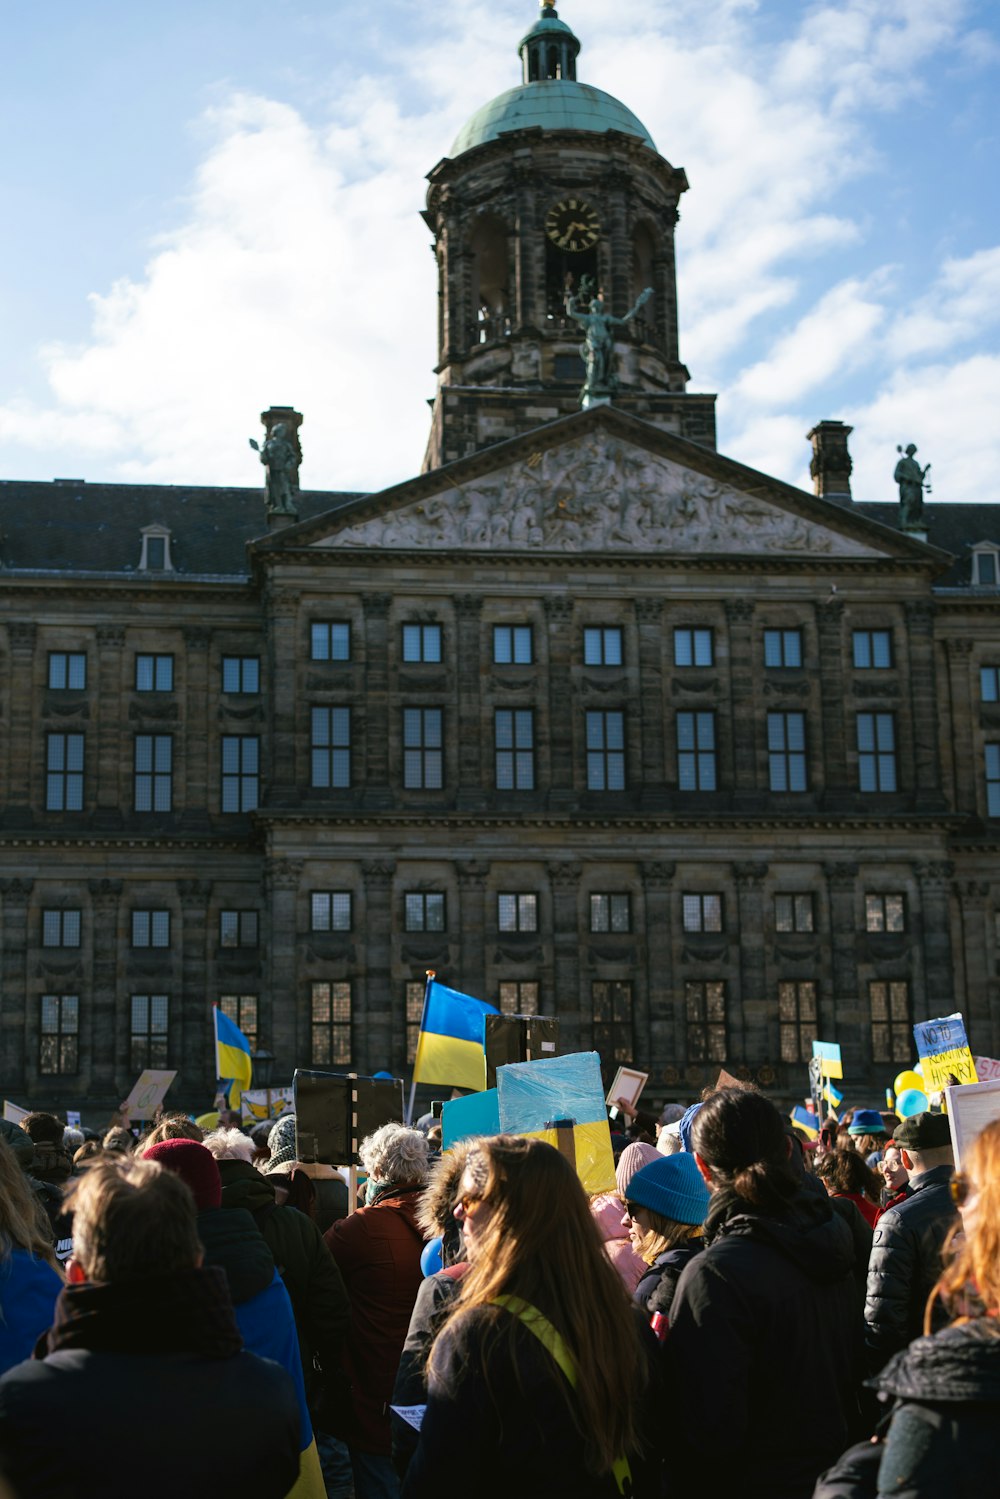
378 1249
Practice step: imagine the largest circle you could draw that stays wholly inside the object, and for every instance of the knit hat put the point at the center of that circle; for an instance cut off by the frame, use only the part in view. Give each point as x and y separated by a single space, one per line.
866 1122
672 1186
281 1142
194 1165
632 1159
923 1132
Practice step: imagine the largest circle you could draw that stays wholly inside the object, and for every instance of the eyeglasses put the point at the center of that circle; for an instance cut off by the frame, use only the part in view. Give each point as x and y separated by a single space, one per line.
961 1189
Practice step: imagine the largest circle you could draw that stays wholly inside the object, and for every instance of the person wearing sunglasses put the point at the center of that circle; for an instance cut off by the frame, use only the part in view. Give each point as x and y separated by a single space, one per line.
940 1435
542 1380
666 1206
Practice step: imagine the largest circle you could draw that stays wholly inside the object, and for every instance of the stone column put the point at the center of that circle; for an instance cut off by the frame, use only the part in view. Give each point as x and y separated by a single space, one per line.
571 1006
471 792
615 183
191 1035
379 1025
281 626
830 628
378 786
665 304
527 312
663 1033
112 748
965 769
111 1018
750 1019
289 1018
16 1031
980 1003
22 702
472 877
924 705
843 1014
649 615
192 794
562 708
739 613
939 974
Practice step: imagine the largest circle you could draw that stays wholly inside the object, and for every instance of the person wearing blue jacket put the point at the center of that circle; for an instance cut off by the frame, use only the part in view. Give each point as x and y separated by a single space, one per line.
29 1280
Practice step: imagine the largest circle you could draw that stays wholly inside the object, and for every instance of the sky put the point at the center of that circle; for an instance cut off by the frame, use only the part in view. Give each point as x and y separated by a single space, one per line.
212 207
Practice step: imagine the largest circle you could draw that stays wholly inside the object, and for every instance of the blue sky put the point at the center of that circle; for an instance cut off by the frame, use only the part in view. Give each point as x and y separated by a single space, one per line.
212 207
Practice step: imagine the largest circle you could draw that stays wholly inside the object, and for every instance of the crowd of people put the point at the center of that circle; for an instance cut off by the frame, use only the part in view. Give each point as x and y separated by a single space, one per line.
747 1311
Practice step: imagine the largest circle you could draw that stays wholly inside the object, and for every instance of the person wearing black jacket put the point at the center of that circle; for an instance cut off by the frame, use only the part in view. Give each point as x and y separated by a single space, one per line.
764 1350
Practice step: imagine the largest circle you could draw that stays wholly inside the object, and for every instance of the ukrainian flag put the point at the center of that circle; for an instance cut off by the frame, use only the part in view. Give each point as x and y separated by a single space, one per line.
451 1048
832 1095
806 1121
232 1057
830 1060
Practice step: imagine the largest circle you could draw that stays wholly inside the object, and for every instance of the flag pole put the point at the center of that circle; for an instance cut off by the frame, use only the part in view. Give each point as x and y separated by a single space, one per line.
429 977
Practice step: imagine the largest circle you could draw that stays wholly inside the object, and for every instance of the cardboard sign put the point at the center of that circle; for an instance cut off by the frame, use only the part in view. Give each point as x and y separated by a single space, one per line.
148 1093
828 1053
987 1068
628 1084
461 1118
254 1105
12 1113
943 1048
561 1100
334 1112
970 1109
73 1118
518 1038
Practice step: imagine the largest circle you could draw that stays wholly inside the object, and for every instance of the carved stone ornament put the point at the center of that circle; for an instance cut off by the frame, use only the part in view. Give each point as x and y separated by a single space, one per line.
599 494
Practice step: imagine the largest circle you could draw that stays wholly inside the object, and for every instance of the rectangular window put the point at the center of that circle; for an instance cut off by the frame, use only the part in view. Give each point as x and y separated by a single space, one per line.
993 780
150 928
783 648
612 1007
64 773
331 748
611 913
149 1034
696 752
892 1029
423 912
331 1025
330 911
156 553
514 731
602 646
786 751
237 928
606 751
885 913
794 913
58 1049
240 772
60 928
517 911
154 673
423 753
242 1011
876 752
989 683
693 647
518 997
872 650
422 643
153 776
330 640
414 1015
797 1020
67 670
702 913
241 674
705 1009
986 569
512 645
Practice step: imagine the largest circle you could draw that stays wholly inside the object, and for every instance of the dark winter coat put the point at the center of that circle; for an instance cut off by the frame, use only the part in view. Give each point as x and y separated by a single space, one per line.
430 1310
763 1355
942 1438
378 1250
905 1264
655 1291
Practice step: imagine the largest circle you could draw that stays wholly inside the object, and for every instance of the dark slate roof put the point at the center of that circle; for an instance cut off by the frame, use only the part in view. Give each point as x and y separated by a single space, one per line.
953 527
71 526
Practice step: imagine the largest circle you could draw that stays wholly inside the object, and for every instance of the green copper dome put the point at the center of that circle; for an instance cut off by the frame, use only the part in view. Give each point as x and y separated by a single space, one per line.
554 104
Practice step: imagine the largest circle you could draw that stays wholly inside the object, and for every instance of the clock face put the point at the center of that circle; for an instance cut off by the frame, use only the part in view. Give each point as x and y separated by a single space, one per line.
573 225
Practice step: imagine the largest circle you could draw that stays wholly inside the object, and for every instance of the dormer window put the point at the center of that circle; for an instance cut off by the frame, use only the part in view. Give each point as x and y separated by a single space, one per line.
985 566
155 555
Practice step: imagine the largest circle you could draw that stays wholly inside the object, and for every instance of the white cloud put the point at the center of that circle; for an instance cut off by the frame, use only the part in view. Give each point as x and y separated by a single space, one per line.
964 302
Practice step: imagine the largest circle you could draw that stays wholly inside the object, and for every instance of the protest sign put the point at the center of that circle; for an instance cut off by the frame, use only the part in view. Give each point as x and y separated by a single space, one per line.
830 1062
628 1084
987 1068
334 1111
148 1093
260 1104
561 1100
970 1109
73 1118
518 1038
12 1113
943 1048
479 1114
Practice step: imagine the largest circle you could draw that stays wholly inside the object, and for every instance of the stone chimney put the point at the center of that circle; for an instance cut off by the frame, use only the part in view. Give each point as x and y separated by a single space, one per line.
831 462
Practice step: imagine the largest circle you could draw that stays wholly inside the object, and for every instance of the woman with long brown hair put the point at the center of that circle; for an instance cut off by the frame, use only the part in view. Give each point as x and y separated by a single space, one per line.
29 1278
537 1381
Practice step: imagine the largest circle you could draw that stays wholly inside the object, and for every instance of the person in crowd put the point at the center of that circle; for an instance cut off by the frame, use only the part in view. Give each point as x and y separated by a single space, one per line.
665 1208
119 1141
765 1322
316 1189
144 1385
895 1177
53 1163
867 1134
844 1174
606 1210
378 1249
72 1139
30 1279
172 1127
540 1381
906 1250
89 1152
941 1436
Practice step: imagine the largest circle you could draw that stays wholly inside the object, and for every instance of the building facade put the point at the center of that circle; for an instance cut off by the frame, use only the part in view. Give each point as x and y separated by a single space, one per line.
586 717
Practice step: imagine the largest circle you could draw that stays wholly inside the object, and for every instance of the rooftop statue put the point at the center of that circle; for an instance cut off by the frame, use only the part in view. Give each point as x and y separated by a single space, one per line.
598 349
912 481
279 457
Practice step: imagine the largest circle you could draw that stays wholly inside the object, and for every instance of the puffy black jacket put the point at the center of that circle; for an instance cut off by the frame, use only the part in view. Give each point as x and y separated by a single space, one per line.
905 1264
942 1435
764 1352
658 1286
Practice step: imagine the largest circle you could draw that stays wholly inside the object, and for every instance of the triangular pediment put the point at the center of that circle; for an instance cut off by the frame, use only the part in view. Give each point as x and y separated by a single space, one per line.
602 482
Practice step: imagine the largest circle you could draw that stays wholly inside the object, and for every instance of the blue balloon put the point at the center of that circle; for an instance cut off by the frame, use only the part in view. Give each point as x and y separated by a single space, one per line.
911 1102
430 1260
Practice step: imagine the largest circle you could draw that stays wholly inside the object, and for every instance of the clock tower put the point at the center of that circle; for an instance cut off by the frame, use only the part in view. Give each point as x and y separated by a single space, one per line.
552 188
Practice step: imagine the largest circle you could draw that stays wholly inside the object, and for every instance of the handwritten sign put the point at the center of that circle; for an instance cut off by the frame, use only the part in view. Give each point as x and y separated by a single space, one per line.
148 1093
943 1048
257 1105
987 1069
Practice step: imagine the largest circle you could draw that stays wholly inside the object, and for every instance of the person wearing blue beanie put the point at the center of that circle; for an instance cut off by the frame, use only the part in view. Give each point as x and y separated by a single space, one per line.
666 1206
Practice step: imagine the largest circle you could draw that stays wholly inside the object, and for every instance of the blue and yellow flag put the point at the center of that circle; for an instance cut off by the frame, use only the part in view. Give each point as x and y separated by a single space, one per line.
829 1056
232 1057
832 1095
805 1120
451 1048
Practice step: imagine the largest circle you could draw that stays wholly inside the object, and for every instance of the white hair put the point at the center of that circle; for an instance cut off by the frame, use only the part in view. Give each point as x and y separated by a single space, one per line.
395 1153
73 1138
230 1145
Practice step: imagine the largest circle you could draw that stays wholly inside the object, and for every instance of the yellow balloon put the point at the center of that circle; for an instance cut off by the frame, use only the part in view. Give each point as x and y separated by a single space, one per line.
907 1080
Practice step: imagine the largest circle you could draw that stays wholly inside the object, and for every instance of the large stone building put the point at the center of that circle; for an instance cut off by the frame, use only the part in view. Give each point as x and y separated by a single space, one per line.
586 717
